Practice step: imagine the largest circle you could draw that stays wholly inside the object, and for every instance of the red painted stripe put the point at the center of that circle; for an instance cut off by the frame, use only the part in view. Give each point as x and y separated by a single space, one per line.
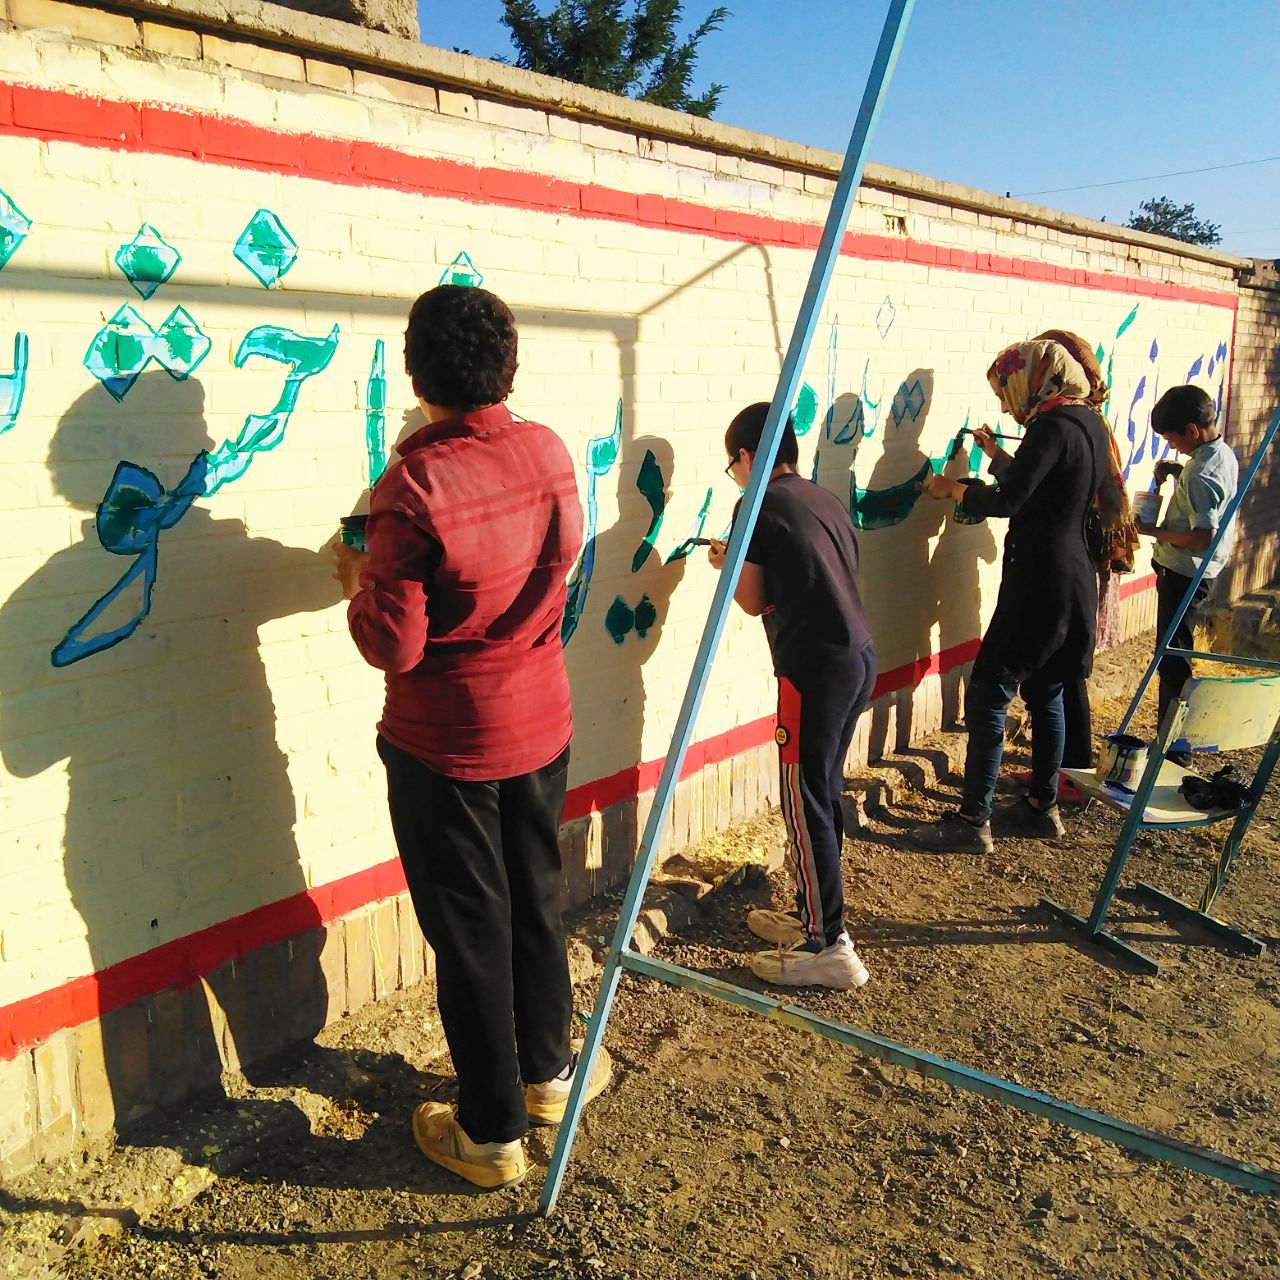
910 675
1136 586
635 781
55 115
182 961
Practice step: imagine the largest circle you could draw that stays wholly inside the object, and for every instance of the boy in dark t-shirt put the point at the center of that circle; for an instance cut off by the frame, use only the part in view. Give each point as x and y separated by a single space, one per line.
800 576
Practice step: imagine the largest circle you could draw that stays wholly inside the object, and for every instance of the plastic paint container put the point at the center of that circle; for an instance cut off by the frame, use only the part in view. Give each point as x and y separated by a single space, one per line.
1146 509
960 515
1122 761
353 531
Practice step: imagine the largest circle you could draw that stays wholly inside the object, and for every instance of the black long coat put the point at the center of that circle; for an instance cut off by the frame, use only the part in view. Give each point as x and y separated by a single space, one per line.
1046 612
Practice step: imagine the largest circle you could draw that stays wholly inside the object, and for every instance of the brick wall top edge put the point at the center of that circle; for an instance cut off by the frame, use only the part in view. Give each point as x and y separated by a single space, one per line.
1264 274
302 32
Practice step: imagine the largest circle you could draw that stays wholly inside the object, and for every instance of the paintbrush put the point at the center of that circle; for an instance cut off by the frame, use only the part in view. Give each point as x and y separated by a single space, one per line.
954 451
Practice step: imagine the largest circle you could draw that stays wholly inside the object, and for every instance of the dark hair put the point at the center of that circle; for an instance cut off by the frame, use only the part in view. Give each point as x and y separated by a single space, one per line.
747 428
1180 406
460 347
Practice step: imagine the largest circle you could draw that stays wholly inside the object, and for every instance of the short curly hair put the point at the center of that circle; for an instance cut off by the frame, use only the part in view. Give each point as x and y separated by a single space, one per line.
460 347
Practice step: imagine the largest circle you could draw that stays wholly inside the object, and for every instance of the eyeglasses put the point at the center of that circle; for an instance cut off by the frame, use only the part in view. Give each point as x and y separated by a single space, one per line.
733 462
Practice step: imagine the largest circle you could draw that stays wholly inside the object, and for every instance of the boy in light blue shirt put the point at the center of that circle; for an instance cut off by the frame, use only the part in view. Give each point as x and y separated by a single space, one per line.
1186 418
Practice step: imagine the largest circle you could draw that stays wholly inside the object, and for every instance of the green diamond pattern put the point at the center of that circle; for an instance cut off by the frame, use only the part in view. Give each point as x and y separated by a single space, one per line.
266 248
147 260
127 344
462 271
14 225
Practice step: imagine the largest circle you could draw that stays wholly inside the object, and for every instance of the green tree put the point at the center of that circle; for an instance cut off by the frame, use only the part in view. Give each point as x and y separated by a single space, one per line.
1162 217
626 48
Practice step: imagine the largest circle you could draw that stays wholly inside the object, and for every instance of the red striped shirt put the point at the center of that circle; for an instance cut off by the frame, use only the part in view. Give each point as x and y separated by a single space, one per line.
471 537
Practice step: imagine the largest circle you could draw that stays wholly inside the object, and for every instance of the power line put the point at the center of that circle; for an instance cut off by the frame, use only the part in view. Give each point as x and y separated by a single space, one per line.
1150 177
1251 231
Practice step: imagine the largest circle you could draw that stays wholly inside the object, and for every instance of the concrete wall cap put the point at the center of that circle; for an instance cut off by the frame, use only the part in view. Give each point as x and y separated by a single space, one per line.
308 33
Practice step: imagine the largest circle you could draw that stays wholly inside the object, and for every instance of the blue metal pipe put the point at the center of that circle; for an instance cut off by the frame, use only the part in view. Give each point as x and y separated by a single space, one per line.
1119 1132
1226 659
846 193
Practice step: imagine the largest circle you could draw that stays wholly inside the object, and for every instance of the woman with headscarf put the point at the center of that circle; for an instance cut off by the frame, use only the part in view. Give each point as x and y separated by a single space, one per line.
1119 543
1041 636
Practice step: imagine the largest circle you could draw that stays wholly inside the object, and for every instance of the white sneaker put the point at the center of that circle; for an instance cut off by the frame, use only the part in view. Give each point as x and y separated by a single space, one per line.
838 967
782 928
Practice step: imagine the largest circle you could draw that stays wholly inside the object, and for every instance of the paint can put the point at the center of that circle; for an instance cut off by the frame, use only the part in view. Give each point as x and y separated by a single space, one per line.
960 515
1122 761
353 531
1146 509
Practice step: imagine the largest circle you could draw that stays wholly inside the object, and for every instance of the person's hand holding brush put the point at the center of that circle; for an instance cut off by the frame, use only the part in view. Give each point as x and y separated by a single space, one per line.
985 438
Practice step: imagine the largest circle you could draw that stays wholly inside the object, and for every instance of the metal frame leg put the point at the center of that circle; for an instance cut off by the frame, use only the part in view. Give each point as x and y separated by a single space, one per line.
1221 871
1236 937
1092 927
1120 1132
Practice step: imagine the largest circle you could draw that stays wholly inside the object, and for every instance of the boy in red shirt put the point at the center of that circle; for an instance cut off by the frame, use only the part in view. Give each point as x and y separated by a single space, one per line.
471 536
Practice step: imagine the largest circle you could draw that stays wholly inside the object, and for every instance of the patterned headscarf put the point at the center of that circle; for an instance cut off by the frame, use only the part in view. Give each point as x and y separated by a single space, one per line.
1030 377
1083 354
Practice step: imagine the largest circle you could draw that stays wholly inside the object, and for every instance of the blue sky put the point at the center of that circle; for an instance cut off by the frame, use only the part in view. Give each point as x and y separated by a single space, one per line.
1007 96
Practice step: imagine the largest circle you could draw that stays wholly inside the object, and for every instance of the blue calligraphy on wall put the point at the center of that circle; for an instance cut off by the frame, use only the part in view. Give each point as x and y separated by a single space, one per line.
262 432
131 516
127 344
375 414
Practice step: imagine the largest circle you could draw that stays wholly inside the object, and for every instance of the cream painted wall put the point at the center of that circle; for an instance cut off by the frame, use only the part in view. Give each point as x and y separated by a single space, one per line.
221 757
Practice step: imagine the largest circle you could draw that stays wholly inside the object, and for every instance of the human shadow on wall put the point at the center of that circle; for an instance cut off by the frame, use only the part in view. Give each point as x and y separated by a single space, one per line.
927 576
179 809
955 578
837 446
609 656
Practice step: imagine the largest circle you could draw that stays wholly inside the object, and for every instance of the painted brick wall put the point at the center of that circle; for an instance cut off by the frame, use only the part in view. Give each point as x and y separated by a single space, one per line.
194 814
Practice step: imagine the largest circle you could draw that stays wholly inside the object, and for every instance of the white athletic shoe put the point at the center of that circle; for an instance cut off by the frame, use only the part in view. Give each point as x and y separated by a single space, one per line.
838 967
782 928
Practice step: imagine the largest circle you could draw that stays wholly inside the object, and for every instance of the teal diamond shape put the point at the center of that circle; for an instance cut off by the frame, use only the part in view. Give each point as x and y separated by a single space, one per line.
266 248
14 225
181 344
885 317
462 271
147 260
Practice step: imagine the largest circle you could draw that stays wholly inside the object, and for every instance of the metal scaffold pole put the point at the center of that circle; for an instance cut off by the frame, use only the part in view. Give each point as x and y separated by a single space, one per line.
846 193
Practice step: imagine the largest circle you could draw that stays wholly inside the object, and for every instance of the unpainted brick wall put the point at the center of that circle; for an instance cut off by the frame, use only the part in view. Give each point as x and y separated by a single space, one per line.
1255 400
205 793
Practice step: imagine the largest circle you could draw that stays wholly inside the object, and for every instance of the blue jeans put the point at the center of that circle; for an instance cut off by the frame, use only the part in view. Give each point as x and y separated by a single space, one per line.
986 704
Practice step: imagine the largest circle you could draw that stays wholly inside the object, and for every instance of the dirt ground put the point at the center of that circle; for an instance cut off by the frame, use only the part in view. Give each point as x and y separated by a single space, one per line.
730 1146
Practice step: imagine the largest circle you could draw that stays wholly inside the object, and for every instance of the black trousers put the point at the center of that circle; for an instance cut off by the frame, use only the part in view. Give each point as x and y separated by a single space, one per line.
1170 588
482 860
1077 716
817 714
